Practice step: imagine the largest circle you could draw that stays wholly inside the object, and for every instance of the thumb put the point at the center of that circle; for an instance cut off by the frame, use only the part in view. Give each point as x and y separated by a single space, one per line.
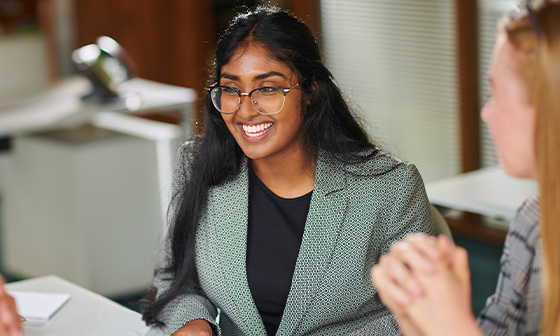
461 266
446 247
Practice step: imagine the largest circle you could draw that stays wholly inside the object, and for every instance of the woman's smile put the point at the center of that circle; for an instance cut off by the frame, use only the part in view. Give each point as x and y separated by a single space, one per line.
256 132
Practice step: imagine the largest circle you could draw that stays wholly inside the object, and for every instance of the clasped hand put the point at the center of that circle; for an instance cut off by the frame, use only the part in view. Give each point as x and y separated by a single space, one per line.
425 282
195 328
9 318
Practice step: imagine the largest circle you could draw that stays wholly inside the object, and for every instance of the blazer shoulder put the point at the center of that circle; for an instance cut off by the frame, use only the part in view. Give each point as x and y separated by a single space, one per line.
188 150
378 163
183 163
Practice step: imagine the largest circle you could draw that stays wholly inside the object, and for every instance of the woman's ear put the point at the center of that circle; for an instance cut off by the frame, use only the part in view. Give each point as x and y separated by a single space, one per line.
312 99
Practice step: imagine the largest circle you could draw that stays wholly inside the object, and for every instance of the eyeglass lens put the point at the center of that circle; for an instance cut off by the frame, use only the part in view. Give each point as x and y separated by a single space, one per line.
266 100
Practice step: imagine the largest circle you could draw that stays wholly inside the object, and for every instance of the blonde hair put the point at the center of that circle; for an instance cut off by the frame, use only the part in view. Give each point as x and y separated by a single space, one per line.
540 69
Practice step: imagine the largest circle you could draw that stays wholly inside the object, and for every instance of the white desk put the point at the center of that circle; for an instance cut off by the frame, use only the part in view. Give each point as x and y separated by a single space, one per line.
487 191
85 314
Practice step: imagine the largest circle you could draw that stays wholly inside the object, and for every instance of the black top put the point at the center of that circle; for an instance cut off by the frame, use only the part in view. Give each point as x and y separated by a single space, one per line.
273 239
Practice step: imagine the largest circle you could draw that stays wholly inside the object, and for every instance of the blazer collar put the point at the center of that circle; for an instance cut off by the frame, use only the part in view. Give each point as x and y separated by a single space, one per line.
230 222
326 214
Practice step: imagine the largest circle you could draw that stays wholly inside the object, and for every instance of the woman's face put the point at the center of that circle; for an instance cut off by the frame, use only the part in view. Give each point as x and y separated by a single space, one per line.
263 136
510 114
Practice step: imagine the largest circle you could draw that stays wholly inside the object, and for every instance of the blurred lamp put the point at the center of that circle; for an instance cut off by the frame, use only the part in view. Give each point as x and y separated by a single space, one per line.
107 65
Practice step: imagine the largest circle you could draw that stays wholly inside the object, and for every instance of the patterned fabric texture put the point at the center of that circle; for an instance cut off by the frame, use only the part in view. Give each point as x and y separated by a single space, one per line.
356 212
516 307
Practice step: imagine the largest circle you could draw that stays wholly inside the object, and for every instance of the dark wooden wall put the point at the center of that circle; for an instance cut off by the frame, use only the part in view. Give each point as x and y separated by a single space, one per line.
467 70
310 12
170 41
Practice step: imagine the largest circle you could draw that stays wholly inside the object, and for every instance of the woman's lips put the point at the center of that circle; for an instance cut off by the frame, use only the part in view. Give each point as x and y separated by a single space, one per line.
256 132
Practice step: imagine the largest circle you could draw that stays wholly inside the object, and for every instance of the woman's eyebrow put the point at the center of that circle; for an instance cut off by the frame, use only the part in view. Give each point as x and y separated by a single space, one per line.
268 74
256 78
228 76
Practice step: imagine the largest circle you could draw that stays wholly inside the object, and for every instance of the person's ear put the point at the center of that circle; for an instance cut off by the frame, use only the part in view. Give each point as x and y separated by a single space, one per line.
312 99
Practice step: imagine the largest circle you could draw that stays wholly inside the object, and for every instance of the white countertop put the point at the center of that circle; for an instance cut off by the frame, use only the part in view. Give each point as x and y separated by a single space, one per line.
86 313
487 191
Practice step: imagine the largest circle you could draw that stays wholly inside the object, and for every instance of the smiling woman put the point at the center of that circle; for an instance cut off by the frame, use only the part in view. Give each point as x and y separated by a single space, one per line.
283 204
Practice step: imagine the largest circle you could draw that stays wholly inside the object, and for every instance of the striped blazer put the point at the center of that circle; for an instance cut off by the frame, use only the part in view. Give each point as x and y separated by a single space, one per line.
516 306
356 212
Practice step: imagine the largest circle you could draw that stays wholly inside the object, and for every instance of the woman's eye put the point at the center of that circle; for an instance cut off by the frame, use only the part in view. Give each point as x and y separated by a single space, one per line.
268 90
229 91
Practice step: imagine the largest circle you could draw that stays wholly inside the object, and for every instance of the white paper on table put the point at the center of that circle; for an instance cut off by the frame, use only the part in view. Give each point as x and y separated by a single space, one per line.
36 306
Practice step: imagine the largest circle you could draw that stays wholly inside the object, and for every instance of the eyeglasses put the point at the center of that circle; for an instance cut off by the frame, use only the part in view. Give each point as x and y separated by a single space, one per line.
524 8
266 100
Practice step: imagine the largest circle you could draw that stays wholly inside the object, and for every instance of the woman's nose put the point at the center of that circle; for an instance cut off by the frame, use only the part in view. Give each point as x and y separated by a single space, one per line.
246 109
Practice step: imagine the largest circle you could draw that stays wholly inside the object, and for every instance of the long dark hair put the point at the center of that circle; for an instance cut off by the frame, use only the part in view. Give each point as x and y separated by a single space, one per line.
328 125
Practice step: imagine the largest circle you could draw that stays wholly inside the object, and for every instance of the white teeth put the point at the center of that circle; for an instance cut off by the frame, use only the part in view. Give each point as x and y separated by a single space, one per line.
256 130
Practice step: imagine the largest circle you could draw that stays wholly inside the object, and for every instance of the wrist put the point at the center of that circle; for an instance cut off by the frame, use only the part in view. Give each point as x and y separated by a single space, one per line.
408 328
472 328
466 326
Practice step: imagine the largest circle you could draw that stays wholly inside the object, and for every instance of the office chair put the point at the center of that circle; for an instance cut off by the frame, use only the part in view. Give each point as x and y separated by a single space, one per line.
440 224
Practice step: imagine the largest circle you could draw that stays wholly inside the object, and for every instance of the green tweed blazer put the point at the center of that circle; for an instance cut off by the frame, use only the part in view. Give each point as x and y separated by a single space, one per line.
356 212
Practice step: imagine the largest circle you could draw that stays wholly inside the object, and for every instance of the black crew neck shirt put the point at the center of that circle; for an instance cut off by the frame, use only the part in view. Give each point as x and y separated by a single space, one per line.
274 237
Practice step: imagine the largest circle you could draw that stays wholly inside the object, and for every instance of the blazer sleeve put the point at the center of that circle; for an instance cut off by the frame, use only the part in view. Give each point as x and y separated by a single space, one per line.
411 210
188 306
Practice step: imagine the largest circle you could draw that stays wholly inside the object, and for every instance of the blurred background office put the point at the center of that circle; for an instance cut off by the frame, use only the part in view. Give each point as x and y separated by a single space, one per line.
415 70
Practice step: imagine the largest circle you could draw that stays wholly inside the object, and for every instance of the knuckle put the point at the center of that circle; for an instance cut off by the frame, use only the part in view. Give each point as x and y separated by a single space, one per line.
373 273
400 247
462 253
383 259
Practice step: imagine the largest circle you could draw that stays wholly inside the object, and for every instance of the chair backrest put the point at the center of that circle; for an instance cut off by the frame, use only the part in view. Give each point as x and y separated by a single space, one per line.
439 223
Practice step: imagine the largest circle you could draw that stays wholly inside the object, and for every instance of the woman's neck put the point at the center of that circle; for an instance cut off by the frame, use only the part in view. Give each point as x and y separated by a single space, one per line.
287 177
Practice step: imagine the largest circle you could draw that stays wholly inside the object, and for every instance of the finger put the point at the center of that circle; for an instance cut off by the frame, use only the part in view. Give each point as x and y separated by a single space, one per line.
402 276
426 244
413 255
446 247
461 265
15 324
417 236
6 314
382 276
9 319
4 331
391 295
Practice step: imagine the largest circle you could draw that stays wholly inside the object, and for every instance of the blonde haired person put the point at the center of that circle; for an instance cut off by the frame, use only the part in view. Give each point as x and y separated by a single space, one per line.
425 281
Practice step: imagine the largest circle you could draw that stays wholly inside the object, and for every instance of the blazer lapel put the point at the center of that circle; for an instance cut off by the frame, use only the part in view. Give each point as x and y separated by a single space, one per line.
228 210
324 222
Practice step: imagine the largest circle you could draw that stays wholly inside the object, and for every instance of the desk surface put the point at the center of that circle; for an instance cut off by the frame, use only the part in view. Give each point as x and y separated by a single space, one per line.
85 314
487 191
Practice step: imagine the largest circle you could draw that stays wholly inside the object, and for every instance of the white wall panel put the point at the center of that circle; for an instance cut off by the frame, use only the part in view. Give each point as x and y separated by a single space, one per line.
396 60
